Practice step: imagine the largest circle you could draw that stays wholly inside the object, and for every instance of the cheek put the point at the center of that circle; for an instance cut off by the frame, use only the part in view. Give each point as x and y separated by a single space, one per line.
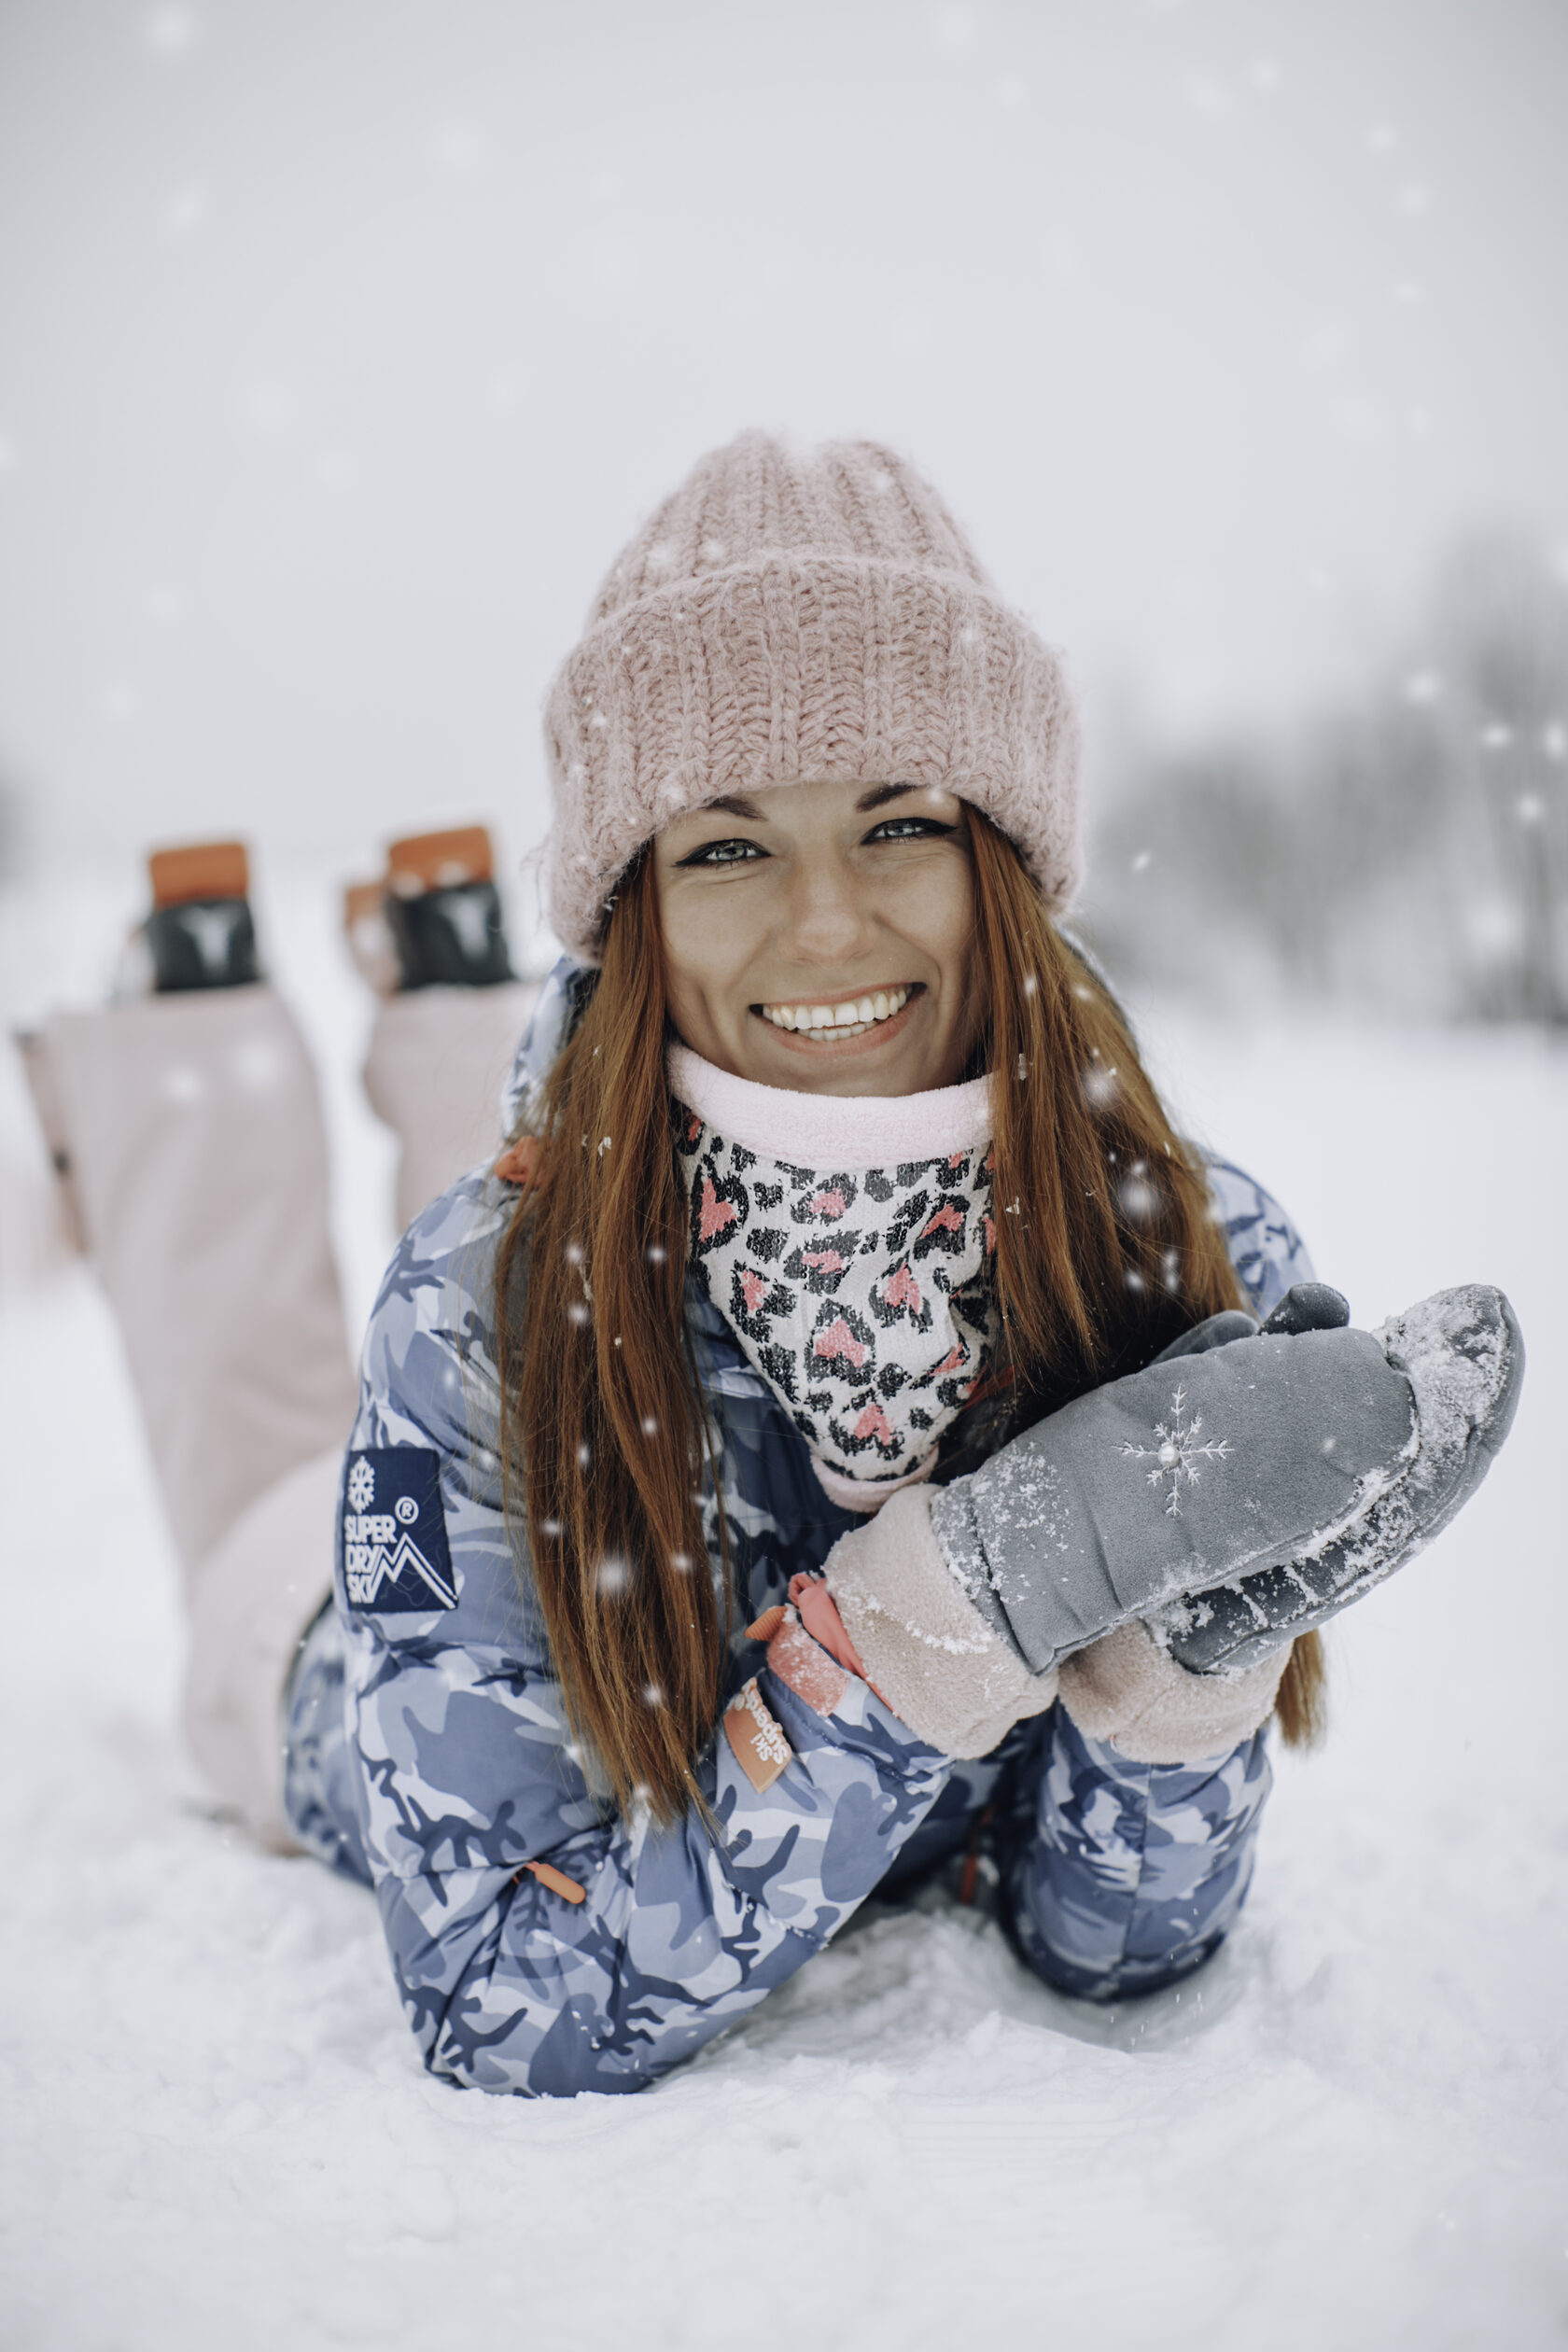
938 912
698 951
684 973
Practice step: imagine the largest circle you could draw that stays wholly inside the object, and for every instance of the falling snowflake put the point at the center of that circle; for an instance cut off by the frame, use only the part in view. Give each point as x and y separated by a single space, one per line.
361 1486
1178 1453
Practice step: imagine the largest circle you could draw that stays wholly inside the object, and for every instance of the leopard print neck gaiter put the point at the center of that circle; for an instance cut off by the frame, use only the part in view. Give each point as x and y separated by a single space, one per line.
847 1242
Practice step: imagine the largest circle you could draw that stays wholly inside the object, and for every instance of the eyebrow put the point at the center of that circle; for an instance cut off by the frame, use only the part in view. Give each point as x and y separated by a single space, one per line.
880 794
733 805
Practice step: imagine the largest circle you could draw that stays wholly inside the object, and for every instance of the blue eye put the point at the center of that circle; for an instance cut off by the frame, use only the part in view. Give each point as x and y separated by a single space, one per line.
717 853
908 829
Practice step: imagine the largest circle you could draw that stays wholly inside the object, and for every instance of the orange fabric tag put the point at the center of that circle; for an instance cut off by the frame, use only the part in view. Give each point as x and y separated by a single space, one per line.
819 1613
200 870
557 1882
440 860
760 1747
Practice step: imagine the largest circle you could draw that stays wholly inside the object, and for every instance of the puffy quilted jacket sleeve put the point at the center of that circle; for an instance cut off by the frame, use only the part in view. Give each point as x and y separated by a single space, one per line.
1267 1251
470 1774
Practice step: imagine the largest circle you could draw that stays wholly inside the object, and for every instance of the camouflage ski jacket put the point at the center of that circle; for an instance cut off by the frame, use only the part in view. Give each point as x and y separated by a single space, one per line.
427 1750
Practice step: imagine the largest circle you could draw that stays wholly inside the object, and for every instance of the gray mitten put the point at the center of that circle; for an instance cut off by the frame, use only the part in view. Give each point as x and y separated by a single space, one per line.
1296 1467
1462 1352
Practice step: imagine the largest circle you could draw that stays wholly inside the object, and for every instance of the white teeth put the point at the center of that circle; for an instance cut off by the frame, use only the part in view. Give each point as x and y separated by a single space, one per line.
849 1019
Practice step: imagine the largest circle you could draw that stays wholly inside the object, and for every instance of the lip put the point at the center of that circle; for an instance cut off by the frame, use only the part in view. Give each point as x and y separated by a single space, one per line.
842 1049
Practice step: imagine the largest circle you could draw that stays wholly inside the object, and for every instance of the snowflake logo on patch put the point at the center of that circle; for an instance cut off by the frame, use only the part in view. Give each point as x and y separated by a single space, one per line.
1178 1452
383 1567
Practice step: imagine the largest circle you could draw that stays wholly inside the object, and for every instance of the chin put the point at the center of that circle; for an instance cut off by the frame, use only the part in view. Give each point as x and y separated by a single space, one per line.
846 1077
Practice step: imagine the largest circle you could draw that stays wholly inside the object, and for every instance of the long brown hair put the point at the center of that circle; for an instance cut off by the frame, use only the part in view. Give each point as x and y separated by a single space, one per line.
1106 1250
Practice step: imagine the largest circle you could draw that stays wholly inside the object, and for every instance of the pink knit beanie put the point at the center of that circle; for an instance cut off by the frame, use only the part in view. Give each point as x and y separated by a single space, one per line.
793 615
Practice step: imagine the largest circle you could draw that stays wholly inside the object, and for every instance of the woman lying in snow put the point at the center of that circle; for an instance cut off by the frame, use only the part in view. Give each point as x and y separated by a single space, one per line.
836 1435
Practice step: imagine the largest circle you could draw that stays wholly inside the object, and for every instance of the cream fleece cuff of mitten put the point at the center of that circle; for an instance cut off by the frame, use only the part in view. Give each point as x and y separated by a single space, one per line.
1126 1689
925 1649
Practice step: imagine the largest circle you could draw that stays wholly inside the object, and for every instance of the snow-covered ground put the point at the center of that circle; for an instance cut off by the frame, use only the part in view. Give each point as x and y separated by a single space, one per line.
1349 2131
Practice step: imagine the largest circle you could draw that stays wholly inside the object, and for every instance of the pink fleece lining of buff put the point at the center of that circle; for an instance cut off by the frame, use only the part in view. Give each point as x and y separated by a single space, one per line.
846 1132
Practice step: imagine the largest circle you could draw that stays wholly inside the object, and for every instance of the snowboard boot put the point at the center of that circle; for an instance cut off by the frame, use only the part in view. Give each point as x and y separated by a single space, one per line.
198 935
199 932
434 920
430 940
444 911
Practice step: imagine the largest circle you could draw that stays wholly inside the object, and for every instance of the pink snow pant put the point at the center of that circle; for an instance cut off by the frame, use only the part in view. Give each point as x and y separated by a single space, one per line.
189 1135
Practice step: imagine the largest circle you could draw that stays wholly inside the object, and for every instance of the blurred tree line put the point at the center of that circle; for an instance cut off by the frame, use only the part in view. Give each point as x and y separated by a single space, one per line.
1407 848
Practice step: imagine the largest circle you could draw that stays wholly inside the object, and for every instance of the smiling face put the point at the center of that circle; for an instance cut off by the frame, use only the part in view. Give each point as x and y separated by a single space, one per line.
820 936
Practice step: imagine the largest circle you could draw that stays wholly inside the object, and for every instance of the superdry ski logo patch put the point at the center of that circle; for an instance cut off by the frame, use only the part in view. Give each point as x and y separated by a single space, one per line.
395 1555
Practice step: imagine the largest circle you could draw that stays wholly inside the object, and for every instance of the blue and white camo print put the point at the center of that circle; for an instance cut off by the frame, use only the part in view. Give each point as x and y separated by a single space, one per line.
427 1750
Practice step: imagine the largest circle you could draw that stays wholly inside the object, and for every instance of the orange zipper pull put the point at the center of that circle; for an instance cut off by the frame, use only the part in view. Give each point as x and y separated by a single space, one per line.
557 1882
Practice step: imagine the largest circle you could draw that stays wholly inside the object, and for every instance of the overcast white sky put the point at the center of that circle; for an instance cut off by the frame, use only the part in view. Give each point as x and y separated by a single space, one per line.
342 342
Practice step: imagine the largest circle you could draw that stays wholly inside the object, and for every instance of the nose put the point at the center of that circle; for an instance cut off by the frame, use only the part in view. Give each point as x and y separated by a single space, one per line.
826 923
